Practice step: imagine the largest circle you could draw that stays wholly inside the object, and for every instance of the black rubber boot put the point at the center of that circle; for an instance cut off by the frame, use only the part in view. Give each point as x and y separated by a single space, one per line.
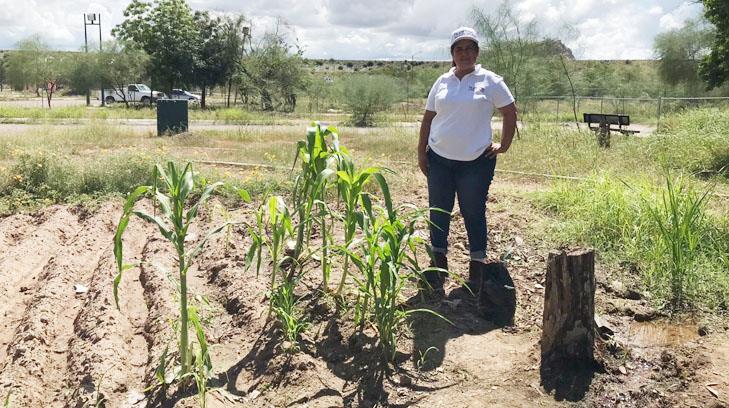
497 297
434 280
475 278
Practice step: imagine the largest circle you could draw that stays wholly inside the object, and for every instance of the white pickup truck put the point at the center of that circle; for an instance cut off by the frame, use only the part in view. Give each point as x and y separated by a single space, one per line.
133 93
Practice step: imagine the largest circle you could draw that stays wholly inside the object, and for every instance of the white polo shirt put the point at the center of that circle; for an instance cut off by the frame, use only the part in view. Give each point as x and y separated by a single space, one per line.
461 128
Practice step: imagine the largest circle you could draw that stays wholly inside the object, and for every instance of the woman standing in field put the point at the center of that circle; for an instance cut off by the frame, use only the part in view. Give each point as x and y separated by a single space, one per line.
456 151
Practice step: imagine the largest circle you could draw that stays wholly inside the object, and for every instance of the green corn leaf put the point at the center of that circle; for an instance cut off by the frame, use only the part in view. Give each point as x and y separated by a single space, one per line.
165 177
164 203
121 227
163 228
204 197
386 196
186 184
243 194
196 251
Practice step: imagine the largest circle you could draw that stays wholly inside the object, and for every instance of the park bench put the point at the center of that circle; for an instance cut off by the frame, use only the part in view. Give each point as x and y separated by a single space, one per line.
606 121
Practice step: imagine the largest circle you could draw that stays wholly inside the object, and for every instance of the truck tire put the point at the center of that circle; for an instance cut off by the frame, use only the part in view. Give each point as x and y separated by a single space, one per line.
145 100
109 100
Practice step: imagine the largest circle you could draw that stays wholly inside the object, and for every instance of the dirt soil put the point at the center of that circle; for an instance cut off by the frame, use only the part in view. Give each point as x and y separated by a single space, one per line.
64 344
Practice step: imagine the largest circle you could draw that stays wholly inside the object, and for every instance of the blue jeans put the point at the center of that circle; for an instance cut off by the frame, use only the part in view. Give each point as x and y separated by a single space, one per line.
470 181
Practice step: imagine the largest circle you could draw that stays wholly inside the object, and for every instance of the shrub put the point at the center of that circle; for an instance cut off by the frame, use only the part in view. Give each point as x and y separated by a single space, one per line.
366 95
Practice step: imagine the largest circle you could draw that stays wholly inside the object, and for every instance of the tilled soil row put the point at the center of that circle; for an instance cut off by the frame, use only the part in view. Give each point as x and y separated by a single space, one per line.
36 367
108 356
21 262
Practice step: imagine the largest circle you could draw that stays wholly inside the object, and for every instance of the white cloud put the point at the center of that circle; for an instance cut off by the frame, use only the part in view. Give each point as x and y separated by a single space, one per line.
378 29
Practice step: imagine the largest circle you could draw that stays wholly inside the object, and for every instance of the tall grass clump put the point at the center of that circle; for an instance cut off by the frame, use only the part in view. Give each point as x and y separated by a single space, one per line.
676 244
680 216
695 140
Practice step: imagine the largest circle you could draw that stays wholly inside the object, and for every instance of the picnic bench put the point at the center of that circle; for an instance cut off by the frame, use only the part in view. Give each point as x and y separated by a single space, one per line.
605 124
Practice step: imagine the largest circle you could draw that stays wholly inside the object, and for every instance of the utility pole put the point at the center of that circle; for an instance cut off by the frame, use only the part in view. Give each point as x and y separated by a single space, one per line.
93 19
86 47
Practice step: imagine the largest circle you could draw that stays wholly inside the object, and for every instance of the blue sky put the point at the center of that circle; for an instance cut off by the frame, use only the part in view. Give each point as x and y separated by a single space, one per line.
380 29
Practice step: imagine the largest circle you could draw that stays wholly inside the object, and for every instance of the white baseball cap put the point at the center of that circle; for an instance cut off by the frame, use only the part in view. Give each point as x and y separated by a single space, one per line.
464 33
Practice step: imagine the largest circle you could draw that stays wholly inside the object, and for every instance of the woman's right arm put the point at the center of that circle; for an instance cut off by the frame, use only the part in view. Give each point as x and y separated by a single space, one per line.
423 141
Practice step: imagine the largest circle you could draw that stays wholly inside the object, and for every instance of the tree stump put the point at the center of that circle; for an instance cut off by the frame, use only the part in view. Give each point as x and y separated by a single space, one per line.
568 333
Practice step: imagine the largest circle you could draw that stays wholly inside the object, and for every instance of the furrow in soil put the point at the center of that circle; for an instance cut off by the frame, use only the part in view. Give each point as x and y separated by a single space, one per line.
28 243
36 363
108 355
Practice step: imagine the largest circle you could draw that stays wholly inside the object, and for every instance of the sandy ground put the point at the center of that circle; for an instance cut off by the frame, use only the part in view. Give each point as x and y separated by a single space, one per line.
64 345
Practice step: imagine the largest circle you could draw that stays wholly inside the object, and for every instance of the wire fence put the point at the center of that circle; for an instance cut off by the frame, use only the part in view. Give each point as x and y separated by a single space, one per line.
648 111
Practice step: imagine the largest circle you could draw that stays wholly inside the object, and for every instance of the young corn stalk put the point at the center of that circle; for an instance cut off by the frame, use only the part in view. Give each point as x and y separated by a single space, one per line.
318 167
388 259
178 210
350 185
273 227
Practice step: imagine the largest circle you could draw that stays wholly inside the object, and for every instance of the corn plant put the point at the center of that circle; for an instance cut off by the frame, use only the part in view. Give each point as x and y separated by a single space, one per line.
178 209
203 365
283 303
679 217
386 260
319 162
6 403
273 226
350 186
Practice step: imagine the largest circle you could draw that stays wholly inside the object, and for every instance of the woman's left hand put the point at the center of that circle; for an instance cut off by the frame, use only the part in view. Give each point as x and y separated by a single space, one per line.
493 150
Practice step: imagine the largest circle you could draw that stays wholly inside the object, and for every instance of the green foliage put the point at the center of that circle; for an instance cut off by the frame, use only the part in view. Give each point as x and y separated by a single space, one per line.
121 64
715 66
667 234
679 52
696 141
319 162
284 305
366 95
57 178
34 64
221 48
166 31
273 74
680 217
386 260
3 71
83 72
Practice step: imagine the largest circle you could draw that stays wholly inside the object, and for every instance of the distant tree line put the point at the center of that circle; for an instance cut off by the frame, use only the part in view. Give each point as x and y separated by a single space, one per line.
172 46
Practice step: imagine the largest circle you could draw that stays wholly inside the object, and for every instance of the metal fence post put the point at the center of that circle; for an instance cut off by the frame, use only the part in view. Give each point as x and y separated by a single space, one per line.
658 116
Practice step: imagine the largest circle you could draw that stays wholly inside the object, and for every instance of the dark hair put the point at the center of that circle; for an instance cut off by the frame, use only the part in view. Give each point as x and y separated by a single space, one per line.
474 43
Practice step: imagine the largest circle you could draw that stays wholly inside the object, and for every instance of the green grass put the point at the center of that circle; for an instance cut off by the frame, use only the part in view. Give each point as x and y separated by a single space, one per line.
695 141
235 115
667 233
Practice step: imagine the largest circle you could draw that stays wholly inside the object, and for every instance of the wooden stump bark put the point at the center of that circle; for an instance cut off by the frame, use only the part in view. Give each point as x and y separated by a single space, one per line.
568 333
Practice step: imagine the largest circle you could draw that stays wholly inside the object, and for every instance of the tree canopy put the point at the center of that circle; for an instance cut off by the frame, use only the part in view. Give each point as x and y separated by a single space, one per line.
166 31
715 67
679 52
